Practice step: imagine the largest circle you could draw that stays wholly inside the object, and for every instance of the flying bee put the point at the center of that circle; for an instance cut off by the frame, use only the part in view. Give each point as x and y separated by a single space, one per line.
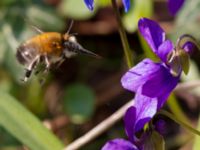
48 48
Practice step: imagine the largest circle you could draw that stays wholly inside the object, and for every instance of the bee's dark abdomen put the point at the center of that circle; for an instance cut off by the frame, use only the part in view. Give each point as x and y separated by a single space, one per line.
26 53
20 56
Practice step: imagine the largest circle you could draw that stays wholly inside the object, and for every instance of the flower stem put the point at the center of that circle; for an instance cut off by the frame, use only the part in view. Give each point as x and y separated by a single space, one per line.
128 53
179 121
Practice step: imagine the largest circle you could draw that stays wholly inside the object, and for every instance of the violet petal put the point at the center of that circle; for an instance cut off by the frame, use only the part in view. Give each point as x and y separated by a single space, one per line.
139 74
139 114
164 49
175 5
189 47
119 144
89 4
129 122
146 108
127 4
152 33
160 83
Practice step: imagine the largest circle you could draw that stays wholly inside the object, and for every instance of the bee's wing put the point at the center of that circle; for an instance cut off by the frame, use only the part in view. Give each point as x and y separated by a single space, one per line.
37 29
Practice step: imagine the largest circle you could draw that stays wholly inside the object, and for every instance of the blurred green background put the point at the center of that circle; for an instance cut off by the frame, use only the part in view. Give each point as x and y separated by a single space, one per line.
83 91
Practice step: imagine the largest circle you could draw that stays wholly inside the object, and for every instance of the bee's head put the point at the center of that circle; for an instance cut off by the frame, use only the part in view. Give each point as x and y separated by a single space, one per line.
72 47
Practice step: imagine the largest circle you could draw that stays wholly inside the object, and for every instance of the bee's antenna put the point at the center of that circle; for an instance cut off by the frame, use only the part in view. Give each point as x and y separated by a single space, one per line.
70 26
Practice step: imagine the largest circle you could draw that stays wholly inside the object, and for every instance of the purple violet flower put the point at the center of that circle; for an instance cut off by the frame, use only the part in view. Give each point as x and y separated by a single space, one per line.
90 4
152 82
175 5
133 142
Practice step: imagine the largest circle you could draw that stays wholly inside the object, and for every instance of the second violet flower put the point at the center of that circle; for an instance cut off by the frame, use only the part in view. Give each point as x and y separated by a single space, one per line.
152 82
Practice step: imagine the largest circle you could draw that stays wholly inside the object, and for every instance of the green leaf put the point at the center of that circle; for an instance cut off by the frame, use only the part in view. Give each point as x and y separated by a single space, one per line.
197 139
7 139
25 126
155 142
34 97
75 9
79 101
5 81
184 61
140 8
10 61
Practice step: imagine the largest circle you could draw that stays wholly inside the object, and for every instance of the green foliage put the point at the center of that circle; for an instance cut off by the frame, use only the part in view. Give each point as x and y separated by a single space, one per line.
7 139
187 20
184 59
34 98
193 73
103 3
25 126
197 139
75 9
140 8
45 18
79 102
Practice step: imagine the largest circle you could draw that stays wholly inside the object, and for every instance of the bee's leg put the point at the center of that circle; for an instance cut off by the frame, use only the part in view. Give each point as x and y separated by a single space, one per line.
45 70
30 68
27 75
28 71
61 60
47 63
59 63
38 70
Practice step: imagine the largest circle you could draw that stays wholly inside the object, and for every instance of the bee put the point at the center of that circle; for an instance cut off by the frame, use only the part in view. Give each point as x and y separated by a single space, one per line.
48 48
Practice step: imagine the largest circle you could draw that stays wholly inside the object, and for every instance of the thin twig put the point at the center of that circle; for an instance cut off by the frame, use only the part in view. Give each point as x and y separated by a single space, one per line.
99 129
